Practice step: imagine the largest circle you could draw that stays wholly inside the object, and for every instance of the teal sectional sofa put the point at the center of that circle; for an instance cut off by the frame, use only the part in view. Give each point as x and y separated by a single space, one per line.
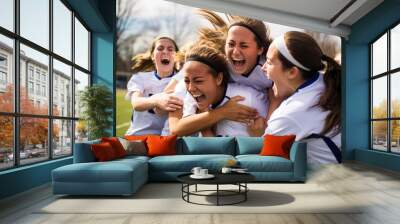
125 176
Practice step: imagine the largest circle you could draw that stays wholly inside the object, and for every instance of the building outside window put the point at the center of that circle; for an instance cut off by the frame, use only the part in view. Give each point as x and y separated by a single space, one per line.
30 87
30 72
59 126
385 92
3 72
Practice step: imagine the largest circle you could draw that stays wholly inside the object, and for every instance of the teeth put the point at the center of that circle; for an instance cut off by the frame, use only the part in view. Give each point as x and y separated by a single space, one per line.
164 61
238 62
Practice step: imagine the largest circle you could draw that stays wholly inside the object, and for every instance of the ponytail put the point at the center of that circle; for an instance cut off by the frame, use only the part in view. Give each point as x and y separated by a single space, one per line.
332 97
142 63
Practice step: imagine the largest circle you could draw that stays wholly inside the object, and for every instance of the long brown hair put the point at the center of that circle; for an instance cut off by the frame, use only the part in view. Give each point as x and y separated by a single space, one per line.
220 28
306 51
143 62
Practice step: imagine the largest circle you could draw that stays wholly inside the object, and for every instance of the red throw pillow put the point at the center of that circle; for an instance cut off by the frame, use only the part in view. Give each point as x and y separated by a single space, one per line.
116 145
161 145
136 137
277 145
103 151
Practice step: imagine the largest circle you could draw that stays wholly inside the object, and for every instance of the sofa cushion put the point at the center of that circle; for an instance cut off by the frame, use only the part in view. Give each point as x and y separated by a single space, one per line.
96 172
161 145
185 163
249 145
83 153
206 145
116 145
257 163
134 147
275 145
103 152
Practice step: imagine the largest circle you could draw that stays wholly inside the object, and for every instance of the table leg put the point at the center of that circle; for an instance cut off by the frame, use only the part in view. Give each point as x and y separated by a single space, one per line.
245 191
217 194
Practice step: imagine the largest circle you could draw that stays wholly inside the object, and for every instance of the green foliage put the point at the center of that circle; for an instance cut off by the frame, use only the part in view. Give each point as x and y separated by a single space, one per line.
97 103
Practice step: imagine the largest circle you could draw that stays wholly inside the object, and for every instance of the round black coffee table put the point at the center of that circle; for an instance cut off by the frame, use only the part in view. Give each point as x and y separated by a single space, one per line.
238 179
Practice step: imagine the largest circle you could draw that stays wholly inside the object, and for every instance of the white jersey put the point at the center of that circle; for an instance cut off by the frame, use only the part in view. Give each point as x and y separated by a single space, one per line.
146 122
299 116
181 92
256 79
253 98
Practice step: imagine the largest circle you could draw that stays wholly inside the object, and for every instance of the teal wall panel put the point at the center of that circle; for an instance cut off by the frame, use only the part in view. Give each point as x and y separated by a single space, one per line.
24 178
380 159
356 126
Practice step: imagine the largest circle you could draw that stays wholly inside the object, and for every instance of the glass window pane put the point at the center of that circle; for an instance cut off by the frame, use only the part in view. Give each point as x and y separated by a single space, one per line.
81 45
62 89
62 29
395 47
379 98
6 142
379 55
81 81
395 95
62 141
7 14
379 135
395 136
6 74
34 97
33 140
35 21
81 131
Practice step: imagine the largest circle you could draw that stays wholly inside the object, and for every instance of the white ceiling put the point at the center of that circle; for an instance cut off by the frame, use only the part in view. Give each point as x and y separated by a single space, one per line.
316 15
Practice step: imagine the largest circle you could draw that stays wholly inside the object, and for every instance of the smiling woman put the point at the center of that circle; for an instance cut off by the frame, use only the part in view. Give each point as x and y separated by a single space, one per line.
206 77
152 72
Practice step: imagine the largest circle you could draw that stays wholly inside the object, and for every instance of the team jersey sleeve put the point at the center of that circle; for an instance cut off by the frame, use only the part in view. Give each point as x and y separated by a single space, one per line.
135 84
189 105
284 126
179 76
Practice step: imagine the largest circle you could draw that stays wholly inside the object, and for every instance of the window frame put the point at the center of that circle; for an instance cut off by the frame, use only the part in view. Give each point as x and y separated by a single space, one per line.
388 74
16 114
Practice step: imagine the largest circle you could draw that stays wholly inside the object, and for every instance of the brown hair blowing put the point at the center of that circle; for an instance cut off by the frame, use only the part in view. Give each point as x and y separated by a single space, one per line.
306 51
258 28
219 30
206 51
143 62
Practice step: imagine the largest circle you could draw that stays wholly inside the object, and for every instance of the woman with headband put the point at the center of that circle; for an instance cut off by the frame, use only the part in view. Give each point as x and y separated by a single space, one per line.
311 110
244 42
207 81
152 72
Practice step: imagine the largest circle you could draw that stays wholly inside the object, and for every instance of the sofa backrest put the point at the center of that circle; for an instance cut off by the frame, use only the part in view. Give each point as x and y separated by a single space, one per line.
206 145
83 152
248 145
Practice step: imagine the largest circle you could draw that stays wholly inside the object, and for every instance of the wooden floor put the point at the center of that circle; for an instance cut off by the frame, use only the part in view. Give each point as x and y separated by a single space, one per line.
378 188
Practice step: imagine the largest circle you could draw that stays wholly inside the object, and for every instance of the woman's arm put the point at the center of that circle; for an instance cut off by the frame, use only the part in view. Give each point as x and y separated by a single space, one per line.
161 101
231 110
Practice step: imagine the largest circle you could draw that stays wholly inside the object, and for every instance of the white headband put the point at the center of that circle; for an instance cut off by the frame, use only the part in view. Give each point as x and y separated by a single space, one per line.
279 43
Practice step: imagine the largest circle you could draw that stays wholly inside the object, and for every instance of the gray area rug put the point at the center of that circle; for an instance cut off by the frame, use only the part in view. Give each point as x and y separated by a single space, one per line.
166 198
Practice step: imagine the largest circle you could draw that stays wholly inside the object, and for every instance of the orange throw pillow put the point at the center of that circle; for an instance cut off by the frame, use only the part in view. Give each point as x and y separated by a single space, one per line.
116 145
161 145
103 151
136 137
275 145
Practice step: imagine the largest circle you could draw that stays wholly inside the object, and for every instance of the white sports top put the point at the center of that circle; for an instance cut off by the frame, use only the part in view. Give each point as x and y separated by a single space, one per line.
253 98
146 122
256 79
298 115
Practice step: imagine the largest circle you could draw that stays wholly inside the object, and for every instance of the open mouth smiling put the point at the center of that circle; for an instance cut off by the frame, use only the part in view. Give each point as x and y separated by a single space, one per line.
165 61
